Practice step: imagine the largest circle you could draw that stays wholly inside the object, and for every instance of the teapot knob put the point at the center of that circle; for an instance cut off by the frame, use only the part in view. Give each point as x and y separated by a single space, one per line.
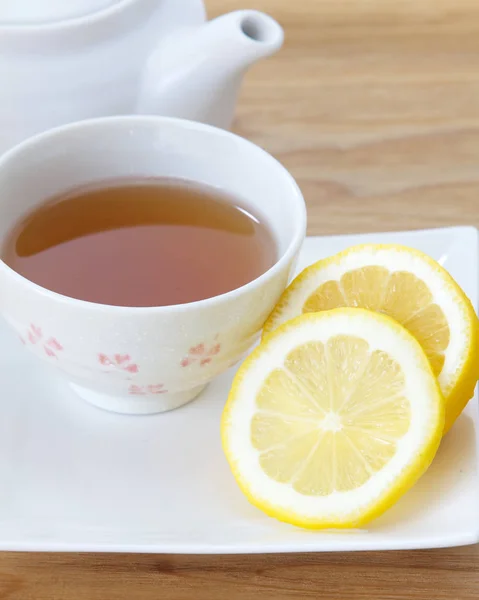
31 12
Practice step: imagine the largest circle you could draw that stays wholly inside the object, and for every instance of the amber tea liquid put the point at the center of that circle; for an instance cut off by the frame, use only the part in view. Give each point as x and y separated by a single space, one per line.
147 242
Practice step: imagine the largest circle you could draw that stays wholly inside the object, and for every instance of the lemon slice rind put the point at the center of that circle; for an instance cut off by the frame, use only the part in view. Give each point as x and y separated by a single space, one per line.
460 371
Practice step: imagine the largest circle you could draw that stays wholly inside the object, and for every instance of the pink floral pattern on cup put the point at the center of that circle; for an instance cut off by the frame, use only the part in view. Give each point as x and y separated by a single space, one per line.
201 354
147 390
34 336
118 362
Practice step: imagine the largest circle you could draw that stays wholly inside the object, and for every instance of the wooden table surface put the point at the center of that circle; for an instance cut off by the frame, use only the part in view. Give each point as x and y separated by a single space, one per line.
374 107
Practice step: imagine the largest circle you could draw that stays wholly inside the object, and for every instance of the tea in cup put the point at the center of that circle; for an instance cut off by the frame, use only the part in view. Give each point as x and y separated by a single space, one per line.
149 241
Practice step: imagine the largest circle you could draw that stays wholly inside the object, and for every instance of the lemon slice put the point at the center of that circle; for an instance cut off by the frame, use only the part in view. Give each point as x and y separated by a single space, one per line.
332 418
408 286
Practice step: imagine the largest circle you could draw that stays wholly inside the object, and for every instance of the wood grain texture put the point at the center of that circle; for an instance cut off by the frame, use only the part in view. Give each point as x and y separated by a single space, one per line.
374 107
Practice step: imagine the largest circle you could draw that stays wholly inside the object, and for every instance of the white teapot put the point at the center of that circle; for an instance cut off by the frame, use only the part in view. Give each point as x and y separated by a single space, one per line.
68 60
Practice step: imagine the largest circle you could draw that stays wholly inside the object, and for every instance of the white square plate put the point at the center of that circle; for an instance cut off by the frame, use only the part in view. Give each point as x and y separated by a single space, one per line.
76 478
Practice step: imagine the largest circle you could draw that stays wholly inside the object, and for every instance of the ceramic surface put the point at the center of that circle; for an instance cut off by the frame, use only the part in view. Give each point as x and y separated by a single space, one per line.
67 61
26 12
143 360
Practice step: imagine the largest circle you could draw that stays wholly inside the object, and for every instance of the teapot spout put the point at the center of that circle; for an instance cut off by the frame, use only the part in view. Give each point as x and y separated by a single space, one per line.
197 74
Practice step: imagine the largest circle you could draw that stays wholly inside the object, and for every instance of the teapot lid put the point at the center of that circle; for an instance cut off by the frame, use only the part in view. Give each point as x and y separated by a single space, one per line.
39 12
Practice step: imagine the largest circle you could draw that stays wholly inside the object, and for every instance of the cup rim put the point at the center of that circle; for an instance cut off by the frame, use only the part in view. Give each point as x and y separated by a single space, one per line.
287 255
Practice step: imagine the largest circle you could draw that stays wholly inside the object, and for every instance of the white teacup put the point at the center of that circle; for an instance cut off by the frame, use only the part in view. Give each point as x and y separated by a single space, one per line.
145 360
